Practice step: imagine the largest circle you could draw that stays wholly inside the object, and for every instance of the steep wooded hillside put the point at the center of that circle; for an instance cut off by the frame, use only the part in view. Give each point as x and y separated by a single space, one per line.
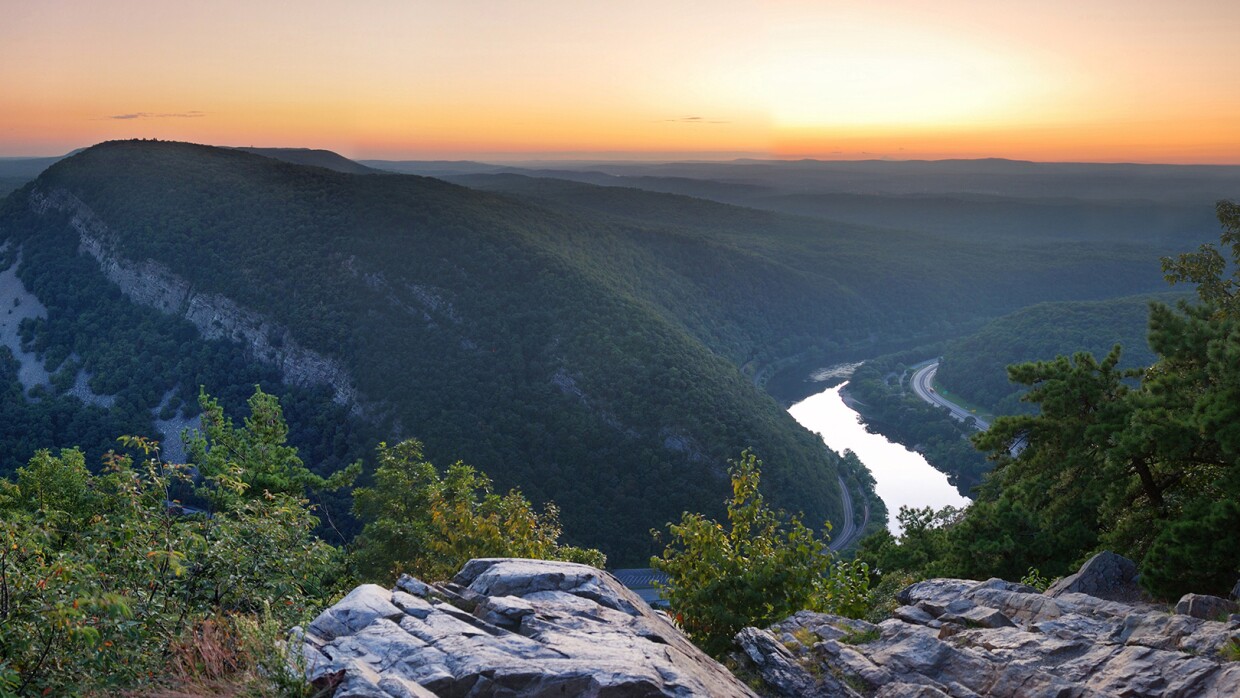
786 283
460 317
975 367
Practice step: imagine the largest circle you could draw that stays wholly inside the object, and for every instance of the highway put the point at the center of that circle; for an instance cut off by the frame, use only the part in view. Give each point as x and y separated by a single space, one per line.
923 381
842 536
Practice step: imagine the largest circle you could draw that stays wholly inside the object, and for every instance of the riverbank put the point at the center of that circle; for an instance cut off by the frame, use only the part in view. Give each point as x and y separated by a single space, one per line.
878 392
902 477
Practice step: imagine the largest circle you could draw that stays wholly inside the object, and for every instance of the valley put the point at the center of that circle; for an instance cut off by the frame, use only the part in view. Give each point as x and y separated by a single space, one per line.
391 349
501 321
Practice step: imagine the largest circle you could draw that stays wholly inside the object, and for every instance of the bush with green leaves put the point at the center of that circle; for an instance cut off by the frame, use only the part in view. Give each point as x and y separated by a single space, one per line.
255 459
102 575
922 549
428 525
761 568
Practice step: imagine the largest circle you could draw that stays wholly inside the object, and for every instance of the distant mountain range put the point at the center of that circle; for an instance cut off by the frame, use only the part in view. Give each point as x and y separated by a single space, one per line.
985 177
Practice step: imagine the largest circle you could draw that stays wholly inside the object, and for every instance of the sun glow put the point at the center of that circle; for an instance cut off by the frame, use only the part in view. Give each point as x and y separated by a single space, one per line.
853 77
1122 79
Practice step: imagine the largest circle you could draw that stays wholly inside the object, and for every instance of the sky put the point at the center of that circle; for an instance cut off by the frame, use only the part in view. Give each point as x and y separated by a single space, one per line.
1049 80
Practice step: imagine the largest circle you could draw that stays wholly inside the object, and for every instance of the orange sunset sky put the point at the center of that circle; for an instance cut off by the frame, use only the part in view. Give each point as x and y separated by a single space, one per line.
1081 80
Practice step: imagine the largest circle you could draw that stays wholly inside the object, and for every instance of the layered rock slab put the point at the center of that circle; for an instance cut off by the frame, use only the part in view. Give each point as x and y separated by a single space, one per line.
965 638
505 627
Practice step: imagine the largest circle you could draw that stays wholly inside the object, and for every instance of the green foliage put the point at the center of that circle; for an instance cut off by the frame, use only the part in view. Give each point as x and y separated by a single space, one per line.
883 594
254 460
100 577
1034 578
1195 552
860 637
974 367
922 549
1206 267
1060 480
759 569
420 523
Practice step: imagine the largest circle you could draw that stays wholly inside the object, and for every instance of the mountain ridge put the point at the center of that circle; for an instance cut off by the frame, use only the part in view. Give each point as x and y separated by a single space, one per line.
522 355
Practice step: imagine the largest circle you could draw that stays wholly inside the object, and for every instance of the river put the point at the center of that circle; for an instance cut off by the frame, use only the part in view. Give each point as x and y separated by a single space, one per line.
903 477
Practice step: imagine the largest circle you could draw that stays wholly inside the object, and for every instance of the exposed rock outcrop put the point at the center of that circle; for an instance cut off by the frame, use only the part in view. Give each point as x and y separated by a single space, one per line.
506 627
216 317
956 637
17 303
1105 576
1205 607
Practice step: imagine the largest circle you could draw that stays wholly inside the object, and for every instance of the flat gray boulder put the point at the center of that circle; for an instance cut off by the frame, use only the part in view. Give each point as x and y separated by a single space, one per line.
1205 607
505 627
958 637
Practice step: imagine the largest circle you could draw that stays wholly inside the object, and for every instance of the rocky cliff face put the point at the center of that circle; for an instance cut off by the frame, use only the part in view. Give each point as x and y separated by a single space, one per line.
505 627
962 638
216 317
508 627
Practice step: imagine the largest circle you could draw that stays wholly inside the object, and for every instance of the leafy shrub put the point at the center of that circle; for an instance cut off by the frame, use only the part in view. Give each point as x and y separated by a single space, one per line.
236 655
102 577
760 569
1035 579
420 523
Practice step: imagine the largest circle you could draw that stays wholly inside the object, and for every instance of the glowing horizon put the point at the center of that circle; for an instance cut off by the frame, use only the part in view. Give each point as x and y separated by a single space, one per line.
1105 81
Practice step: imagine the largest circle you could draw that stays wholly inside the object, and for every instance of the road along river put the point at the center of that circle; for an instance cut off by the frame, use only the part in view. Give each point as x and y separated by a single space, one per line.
903 477
923 387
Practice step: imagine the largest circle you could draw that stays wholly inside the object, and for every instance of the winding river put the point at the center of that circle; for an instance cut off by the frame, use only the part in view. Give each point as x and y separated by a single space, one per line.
903 477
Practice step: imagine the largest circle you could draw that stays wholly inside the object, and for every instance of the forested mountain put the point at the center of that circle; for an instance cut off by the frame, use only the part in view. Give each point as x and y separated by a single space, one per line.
975 367
800 276
577 340
459 317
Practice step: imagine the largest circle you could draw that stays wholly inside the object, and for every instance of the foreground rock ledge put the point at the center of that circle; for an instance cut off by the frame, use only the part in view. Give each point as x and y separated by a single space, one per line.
505 627
963 638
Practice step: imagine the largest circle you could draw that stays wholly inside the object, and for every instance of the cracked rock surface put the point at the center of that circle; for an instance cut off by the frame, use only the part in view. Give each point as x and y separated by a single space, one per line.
505 627
965 638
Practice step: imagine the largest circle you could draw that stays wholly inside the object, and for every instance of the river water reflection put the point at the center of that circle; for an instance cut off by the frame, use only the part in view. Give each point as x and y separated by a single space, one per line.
903 477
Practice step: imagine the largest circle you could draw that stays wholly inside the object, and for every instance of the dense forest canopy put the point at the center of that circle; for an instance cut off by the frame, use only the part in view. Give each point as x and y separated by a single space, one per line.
974 367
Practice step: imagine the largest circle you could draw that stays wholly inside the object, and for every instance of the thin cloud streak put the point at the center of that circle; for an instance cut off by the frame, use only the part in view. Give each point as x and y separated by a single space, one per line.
694 120
153 115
